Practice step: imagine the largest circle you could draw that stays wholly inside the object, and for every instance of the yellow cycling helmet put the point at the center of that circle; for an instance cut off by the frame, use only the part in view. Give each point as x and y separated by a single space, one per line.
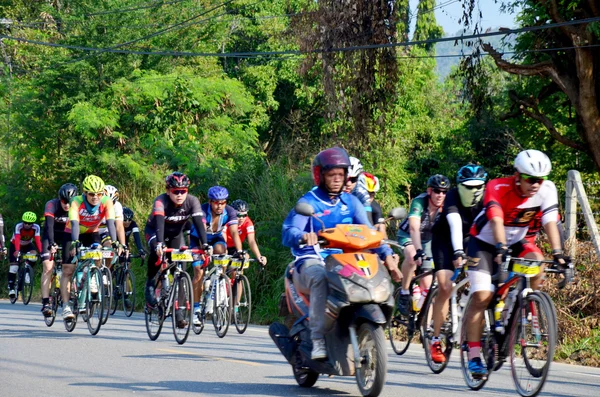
93 184
29 217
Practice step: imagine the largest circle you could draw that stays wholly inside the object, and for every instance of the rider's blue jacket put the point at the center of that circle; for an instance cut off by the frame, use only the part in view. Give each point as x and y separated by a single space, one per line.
345 209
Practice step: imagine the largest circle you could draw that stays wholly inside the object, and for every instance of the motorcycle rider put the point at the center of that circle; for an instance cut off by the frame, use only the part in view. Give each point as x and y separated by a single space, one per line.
333 207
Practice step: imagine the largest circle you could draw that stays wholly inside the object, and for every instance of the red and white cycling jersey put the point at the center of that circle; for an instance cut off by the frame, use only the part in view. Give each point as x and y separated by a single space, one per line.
503 199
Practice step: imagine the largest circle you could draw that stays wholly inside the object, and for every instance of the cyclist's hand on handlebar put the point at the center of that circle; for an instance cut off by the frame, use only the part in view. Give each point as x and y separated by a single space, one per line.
143 254
458 260
263 261
559 258
208 249
419 256
74 247
501 253
310 238
391 261
159 250
53 248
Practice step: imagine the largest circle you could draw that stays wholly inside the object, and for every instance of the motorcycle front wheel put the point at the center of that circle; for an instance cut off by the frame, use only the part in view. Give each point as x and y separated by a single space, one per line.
370 375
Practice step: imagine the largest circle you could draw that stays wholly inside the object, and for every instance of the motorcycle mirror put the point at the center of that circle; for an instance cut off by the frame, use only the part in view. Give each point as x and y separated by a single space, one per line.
398 213
304 209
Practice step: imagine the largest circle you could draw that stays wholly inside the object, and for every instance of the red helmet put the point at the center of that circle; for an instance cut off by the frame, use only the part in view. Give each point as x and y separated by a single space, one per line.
177 179
335 157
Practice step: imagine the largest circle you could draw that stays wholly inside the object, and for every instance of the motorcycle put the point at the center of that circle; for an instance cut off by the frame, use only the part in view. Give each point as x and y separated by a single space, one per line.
359 305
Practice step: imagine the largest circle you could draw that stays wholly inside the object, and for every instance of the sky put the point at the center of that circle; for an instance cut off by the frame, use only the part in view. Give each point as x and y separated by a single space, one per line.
450 12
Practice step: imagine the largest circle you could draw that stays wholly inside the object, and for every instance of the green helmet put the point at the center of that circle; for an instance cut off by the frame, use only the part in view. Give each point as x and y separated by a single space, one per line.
29 217
93 184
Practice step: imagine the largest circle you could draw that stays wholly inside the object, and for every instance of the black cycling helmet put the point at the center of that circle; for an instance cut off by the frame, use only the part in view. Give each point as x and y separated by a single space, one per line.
335 157
471 174
438 181
240 206
177 179
67 192
127 214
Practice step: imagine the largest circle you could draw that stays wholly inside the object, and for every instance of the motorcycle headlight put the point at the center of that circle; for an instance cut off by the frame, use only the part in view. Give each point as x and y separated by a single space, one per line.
356 293
382 291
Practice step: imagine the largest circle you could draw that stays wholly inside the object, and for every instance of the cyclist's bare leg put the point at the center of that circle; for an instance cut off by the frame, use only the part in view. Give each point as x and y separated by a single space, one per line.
65 281
474 318
538 280
197 283
440 306
47 267
219 249
408 266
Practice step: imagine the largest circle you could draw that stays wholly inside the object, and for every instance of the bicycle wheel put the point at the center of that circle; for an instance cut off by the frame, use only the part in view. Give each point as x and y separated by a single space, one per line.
128 292
94 307
532 344
27 288
183 302
222 307
550 303
117 275
427 333
54 297
401 329
106 293
242 311
154 320
202 316
474 383
70 324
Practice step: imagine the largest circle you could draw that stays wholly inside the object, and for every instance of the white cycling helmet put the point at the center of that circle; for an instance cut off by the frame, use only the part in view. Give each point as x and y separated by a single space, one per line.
369 182
355 168
111 192
533 162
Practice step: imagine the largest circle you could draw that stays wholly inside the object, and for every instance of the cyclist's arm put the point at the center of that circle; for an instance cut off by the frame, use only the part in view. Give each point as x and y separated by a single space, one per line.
38 239
137 239
294 227
551 230
110 219
495 213
253 245
121 232
74 220
549 209
198 220
235 236
17 242
414 226
49 225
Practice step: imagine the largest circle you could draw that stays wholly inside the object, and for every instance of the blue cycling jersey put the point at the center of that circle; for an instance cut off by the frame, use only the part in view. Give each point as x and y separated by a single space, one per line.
345 209
227 218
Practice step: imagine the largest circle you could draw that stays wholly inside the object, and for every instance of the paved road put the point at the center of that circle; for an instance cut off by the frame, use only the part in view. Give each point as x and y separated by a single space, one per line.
121 360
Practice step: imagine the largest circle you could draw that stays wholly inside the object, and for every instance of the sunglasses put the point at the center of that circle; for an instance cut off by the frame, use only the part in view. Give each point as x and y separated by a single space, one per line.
440 191
354 179
532 180
224 202
92 194
179 192
242 215
65 202
27 223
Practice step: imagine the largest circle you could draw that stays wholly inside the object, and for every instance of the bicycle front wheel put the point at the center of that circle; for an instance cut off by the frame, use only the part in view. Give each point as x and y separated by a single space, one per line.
183 303
27 283
154 320
243 308
128 292
532 344
107 296
94 300
401 329
54 298
222 306
117 275
427 332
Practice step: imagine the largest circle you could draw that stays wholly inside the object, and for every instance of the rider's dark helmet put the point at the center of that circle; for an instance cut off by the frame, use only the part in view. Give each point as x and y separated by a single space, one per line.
127 214
438 182
67 192
240 206
335 157
471 174
177 179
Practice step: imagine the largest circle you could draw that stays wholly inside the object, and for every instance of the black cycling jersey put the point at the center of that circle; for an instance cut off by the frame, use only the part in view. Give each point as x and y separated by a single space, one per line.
376 213
167 219
453 205
133 228
56 219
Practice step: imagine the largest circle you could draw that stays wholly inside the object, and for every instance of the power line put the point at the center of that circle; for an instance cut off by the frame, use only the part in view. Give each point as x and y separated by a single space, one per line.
135 8
115 49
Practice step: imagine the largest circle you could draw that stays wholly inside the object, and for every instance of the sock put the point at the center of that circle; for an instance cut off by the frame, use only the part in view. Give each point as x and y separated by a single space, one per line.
474 350
435 339
45 301
404 292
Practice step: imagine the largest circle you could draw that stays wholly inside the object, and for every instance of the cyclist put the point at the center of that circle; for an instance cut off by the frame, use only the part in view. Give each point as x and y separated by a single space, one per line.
22 242
83 228
112 193
414 235
131 227
164 228
57 214
370 184
245 231
2 247
333 206
510 204
219 216
354 172
450 238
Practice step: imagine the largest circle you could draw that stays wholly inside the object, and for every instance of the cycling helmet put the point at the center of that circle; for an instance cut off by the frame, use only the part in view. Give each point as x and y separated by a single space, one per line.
355 168
67 192
111 192
93 184
533 162
334 157
471 175
240 206
177 179
29 217
218 193
438 182
369 182
127 214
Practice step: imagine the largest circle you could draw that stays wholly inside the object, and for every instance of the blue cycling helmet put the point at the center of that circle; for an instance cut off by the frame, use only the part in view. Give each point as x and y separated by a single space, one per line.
471 175
218 193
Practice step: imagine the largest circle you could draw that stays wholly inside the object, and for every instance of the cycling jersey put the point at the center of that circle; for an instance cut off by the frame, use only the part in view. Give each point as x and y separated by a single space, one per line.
84 219
226 219
377 213
244 229
419 208
345 209
135 230
118 207
56 220
25 237
365 198
503 199
168 219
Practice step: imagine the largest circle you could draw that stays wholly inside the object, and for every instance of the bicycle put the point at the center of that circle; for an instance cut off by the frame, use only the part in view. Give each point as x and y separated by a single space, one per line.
529 318
175 297
216 293
450 330
107 290
25 276
123 283
402 328
55 296
242 309
85 294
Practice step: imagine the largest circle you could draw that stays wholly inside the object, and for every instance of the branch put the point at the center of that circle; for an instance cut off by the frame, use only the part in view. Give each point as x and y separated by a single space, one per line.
555 14
531 110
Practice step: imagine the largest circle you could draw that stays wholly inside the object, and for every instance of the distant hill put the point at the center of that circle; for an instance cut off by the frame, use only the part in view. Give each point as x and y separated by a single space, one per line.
445 65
